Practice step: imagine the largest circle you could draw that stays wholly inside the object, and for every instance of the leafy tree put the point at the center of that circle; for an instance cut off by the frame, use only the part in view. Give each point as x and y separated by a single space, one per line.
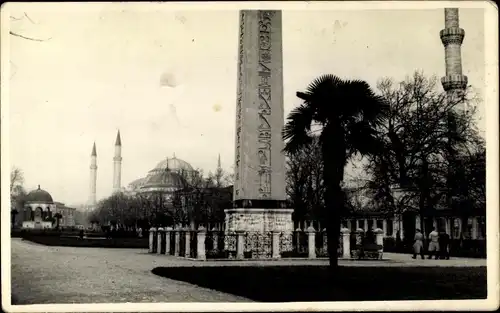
347 114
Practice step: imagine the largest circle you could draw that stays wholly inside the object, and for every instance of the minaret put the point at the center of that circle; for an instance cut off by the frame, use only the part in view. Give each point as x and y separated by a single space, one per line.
117 164
219 166
93 177
452 37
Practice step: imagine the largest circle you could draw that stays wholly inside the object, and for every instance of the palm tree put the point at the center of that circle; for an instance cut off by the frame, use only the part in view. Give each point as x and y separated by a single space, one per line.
58 217
347 115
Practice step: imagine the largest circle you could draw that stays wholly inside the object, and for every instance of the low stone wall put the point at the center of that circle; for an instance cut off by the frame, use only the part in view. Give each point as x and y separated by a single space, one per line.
214 244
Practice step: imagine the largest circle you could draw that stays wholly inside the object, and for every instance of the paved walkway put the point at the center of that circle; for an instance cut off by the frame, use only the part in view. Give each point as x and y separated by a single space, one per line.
42 274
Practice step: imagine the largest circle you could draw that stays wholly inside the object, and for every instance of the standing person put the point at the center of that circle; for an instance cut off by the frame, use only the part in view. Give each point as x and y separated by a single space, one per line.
434 244
418 245
444 245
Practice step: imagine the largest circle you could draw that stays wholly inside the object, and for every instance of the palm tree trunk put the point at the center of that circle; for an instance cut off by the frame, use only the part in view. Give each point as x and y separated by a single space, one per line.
334 149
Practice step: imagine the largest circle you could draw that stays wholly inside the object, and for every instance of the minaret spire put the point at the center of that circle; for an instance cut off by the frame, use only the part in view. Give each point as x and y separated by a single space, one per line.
452 37
93 177
218 162
118 141
117 164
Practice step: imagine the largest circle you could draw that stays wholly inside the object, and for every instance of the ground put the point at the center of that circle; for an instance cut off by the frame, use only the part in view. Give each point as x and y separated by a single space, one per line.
42 274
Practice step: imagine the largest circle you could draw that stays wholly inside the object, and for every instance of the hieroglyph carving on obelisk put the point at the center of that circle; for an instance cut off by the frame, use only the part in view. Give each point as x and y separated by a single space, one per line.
259 160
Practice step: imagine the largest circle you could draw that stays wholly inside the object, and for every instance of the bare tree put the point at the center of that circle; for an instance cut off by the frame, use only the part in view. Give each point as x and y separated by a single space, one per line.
424 132
304 182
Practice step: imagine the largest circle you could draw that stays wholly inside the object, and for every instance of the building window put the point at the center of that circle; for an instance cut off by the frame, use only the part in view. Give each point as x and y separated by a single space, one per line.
380 224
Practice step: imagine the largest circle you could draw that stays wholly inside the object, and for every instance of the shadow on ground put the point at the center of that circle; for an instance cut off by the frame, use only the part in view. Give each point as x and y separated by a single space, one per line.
313 283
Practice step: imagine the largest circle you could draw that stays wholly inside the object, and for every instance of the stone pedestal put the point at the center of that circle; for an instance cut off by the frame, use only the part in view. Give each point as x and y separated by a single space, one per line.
168 239
379 239
177 240
346 243
152 231
311 242
159 241
259 186
200 249
187 243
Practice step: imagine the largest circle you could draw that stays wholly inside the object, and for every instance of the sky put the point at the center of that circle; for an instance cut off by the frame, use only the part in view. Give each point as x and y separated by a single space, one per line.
167 80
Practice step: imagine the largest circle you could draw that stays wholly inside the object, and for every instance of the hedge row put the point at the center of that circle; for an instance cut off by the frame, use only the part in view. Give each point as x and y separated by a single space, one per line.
135 243
19 233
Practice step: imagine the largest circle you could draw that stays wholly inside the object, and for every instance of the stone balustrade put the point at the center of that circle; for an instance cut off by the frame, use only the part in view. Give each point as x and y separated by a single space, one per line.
202 244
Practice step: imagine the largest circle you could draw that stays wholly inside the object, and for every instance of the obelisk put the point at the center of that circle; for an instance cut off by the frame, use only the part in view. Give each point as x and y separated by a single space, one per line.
259 187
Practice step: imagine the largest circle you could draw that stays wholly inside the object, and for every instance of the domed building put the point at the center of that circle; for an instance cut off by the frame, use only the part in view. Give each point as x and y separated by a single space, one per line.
168 176
38 208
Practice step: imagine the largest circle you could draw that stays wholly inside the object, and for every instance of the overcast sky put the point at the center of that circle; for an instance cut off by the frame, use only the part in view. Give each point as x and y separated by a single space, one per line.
102 70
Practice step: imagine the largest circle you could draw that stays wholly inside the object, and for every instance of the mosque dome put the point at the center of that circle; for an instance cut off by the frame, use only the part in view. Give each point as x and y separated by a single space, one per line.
39 196
173 164
165 180
137 183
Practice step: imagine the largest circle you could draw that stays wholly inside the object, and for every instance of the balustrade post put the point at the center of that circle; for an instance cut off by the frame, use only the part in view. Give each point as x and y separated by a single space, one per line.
152 231
200 242
168 240
276 244
346 243
187 243
177 238
311 242
159 234
240 245
379 239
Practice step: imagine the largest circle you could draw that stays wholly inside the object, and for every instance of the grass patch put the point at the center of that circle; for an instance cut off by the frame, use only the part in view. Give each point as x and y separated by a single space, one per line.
313 283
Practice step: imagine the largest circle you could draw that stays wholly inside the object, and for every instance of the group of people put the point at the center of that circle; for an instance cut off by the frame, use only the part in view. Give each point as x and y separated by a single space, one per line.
439 245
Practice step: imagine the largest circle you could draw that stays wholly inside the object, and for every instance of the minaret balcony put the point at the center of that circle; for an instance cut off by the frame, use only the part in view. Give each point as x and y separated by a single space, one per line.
452 82
452 35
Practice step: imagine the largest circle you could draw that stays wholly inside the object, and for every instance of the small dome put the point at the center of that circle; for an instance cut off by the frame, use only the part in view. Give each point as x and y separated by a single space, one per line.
173 164
167 180
39 196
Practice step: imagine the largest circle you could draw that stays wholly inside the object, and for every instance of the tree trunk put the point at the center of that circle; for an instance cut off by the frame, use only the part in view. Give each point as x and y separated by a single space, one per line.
333 153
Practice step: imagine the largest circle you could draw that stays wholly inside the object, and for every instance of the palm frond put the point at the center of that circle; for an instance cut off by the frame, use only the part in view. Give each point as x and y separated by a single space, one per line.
296 130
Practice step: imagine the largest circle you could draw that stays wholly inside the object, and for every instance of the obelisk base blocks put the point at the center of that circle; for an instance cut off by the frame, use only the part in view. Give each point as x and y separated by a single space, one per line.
259 220
258 226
